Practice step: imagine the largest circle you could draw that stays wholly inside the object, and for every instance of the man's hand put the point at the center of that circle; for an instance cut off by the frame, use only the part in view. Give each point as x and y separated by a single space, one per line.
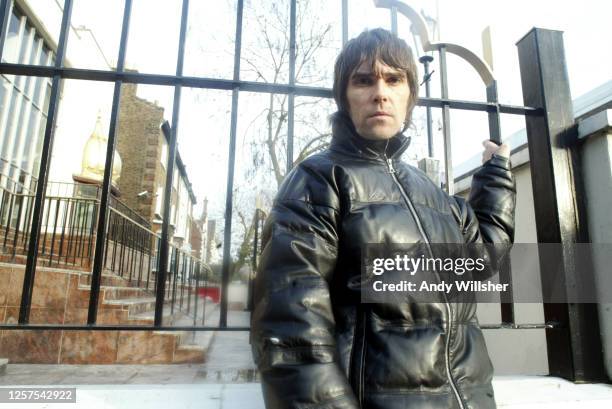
491 148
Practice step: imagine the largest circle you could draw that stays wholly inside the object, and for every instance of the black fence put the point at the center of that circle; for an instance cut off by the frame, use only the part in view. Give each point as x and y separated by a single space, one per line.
67 237
546 93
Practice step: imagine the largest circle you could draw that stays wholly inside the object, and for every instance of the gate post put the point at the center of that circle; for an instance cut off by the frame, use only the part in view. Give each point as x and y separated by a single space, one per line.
574 345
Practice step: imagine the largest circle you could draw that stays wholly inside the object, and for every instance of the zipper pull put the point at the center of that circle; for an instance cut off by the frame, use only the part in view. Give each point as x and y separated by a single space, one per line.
389 164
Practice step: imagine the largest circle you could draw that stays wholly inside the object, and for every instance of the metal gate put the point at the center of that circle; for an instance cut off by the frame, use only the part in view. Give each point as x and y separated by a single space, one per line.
574 348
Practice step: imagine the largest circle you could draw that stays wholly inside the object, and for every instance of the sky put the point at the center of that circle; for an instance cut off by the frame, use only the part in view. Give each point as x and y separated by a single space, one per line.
205 114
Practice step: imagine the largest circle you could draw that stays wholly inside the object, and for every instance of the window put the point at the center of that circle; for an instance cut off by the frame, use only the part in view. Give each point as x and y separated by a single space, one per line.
163 157
159 197
11 45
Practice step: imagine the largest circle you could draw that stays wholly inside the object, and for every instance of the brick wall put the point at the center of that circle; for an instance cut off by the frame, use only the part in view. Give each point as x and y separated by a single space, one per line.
139 144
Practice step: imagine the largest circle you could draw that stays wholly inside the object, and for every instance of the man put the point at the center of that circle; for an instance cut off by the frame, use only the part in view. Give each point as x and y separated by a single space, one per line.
315 343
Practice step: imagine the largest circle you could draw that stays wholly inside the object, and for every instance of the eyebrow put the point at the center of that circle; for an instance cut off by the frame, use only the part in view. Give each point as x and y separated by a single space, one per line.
370 73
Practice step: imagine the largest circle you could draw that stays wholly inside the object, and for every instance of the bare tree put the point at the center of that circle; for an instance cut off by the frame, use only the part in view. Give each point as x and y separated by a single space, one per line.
266 59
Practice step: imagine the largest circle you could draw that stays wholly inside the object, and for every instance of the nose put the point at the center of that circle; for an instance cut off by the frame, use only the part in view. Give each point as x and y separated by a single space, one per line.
380 91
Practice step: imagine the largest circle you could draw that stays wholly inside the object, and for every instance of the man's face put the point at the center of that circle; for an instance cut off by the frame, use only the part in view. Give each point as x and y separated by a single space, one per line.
378 100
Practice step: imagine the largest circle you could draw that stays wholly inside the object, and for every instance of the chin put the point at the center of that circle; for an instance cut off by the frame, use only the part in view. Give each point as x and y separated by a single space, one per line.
378 134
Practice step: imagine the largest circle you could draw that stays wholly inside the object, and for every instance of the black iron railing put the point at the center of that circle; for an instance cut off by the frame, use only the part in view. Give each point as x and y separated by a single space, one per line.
66 233
67 239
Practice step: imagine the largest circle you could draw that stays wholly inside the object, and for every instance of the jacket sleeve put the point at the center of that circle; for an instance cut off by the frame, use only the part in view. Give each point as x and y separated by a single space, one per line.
292 326
487 218
488 215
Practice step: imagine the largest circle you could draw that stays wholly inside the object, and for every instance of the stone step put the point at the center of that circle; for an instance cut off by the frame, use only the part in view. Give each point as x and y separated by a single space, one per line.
120 301
189 354
113 280
118 293
134 305
148 317
3 364
73 264
194 337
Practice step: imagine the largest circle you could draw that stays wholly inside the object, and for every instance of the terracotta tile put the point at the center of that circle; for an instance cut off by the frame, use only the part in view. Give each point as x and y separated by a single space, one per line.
50 289
145 347
189 356
36 347
37 315
75 315
78 298
46 315
5 278
89 347
15 287
105 316
112 316
11 315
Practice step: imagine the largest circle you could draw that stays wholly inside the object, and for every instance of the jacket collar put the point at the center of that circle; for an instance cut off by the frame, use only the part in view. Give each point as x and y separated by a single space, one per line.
345 139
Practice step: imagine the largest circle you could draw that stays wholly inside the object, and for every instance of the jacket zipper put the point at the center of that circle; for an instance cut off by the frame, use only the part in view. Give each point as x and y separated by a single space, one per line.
362 365
389 163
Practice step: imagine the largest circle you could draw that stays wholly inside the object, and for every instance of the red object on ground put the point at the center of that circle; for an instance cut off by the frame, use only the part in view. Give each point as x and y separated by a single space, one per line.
213 292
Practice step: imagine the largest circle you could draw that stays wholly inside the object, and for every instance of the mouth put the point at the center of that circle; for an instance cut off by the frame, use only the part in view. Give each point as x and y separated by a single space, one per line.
379 114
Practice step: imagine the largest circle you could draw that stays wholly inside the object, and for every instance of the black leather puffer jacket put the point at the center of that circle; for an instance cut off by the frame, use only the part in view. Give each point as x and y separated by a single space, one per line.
315 343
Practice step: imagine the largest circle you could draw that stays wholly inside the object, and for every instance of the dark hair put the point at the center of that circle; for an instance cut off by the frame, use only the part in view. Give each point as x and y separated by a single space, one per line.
371 46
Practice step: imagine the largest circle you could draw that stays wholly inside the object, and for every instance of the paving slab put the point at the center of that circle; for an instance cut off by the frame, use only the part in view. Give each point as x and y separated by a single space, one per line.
208 396
229 380
526 392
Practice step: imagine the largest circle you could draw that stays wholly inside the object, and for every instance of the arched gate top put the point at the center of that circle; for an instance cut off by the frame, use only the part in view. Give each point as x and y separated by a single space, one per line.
420 28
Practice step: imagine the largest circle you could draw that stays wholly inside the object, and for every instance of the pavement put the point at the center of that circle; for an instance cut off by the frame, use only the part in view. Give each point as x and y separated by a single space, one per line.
228 380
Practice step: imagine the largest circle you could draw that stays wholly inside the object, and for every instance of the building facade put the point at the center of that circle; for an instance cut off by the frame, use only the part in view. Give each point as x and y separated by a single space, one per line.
23 103
143 148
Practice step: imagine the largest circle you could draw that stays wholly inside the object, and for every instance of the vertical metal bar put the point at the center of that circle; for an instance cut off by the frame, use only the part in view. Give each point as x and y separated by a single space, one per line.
12 199
227 234
57 207
574 348
47 207
5 12
141 248
3 194
73 204
171 137
506 306
83 229
344 21
291 102
121 246
94 214
446 132
45 156
70 235
115 240
109 235
177 260
197 293
150 255
426 60
16 238
28 223
130 256
96 273
182 281
393 12
250 300
189 271
204 298
494 123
